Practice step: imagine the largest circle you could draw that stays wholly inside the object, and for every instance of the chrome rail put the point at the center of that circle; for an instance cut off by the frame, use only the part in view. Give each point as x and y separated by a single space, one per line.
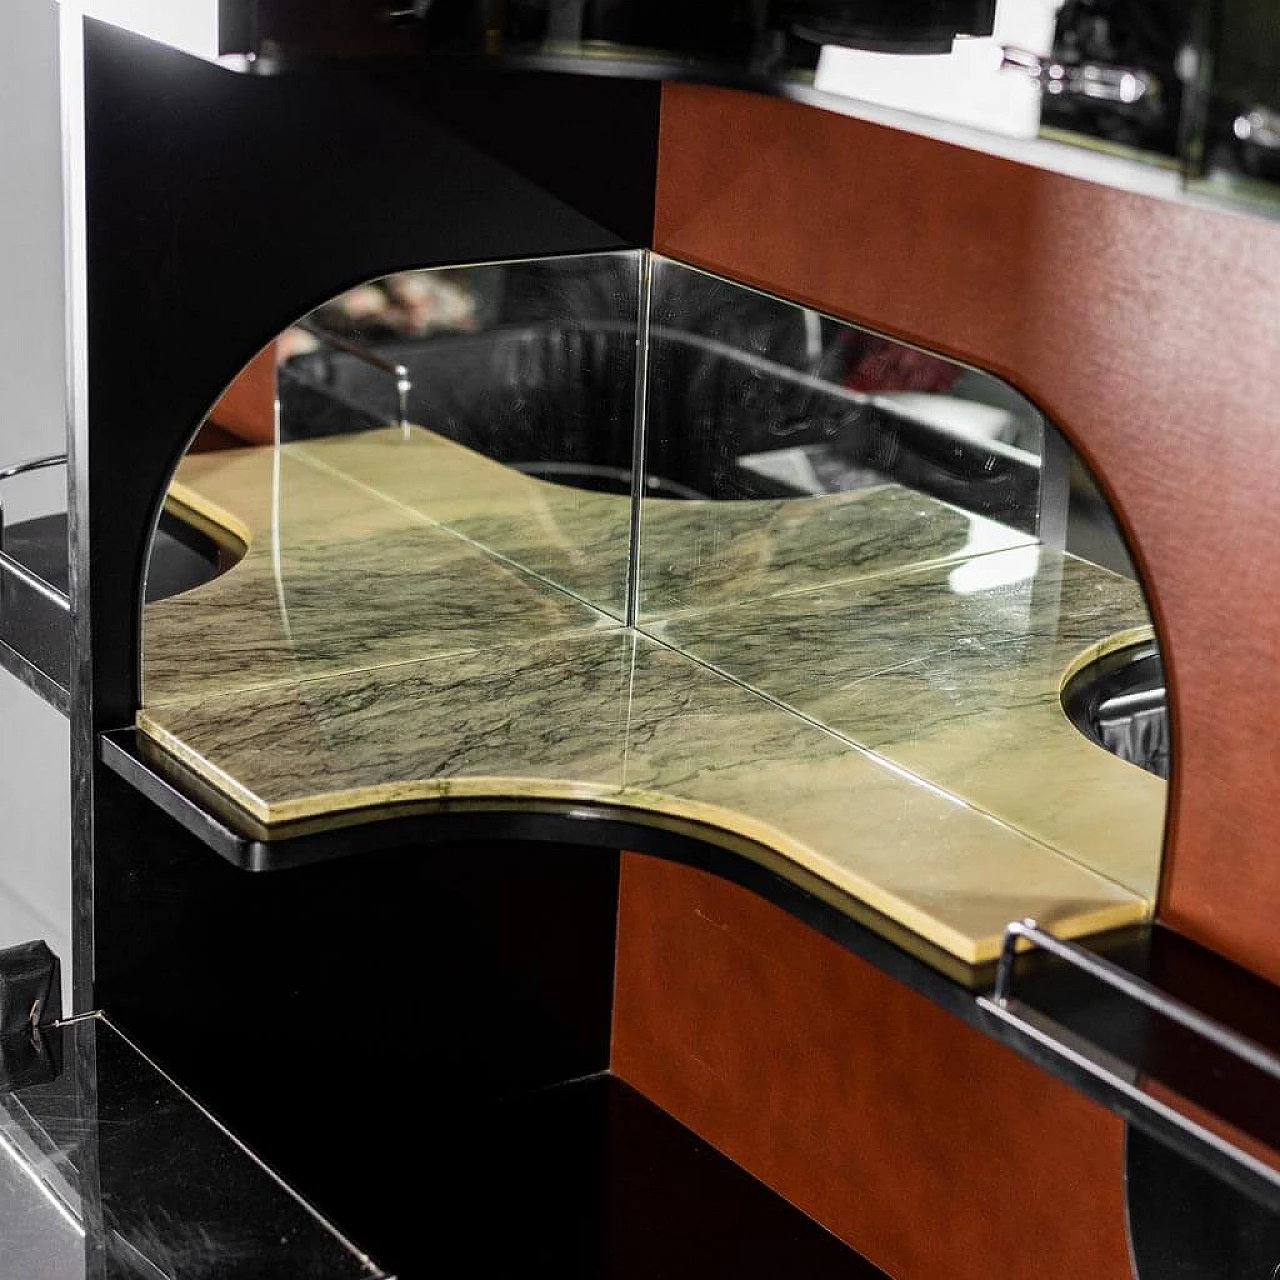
15 567
403 383
1079 1055
1002 999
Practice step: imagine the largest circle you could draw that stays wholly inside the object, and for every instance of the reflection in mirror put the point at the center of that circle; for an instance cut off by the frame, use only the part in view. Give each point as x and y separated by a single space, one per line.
531 365
818 448
880 548
611 528
508 517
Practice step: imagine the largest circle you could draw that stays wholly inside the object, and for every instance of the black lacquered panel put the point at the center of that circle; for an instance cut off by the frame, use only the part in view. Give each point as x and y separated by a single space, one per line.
35 630
1187 1224
597 1183
108 1170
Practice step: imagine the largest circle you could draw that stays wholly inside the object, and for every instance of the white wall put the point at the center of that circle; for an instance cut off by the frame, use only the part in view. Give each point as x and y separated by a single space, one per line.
192 25
35 840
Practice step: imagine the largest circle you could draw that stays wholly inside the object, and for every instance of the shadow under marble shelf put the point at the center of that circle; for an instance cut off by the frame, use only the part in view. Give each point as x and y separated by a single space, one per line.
373 654
107 1168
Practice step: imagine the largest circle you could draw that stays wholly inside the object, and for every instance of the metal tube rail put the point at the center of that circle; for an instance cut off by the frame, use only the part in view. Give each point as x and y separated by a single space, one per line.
16 567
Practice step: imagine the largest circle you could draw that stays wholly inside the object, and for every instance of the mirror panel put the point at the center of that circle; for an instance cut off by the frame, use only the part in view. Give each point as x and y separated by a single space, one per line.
814 451
511 513
611 529
865 552
528 365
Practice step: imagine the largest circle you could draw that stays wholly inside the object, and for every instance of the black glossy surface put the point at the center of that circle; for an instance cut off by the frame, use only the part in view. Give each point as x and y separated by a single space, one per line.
328 1013
591 1180
1186 1224
35 633
108 1171
220 208
35 638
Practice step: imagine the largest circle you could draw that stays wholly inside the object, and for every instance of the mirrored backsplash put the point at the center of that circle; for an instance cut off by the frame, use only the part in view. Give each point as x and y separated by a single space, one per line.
531 365
525 529
777 445
612 438
814 450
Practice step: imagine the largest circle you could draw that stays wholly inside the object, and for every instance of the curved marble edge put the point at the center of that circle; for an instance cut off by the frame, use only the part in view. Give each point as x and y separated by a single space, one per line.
719 821
223 527
1129 638
255 849
1091 905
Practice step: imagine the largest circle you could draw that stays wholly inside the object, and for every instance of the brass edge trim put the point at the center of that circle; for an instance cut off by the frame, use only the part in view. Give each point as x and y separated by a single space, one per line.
383 796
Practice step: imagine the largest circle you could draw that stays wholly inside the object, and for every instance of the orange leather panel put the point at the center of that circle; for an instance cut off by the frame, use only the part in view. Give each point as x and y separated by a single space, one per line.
930 1149
1149 331
247 407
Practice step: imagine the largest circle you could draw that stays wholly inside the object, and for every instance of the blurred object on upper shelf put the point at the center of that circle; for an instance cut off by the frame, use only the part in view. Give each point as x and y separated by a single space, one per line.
756 37
409 304
1105 69
1235 151
1153 38
1151 94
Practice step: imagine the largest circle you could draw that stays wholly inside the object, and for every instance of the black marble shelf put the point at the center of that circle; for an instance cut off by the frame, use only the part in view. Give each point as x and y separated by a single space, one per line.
108 1169
1207 1107
35 626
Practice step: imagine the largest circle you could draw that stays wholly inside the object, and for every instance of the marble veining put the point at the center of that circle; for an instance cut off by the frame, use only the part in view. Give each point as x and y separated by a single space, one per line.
621 719
955 674
412 622
574 538
692 553
334 581
699 554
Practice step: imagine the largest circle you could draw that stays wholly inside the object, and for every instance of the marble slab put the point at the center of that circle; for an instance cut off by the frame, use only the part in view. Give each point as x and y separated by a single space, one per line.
866 685
697 554
692 553
622 720
333 580
955 673
575 538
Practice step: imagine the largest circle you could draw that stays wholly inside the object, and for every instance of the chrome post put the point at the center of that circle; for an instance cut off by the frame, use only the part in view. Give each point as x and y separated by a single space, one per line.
402 382
15 567
1127 984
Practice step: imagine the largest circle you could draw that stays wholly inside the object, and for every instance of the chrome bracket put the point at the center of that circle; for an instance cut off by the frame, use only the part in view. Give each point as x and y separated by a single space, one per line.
16 568
402 382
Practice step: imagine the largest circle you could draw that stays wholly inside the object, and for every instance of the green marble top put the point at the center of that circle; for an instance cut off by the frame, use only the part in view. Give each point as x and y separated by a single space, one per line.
867 685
